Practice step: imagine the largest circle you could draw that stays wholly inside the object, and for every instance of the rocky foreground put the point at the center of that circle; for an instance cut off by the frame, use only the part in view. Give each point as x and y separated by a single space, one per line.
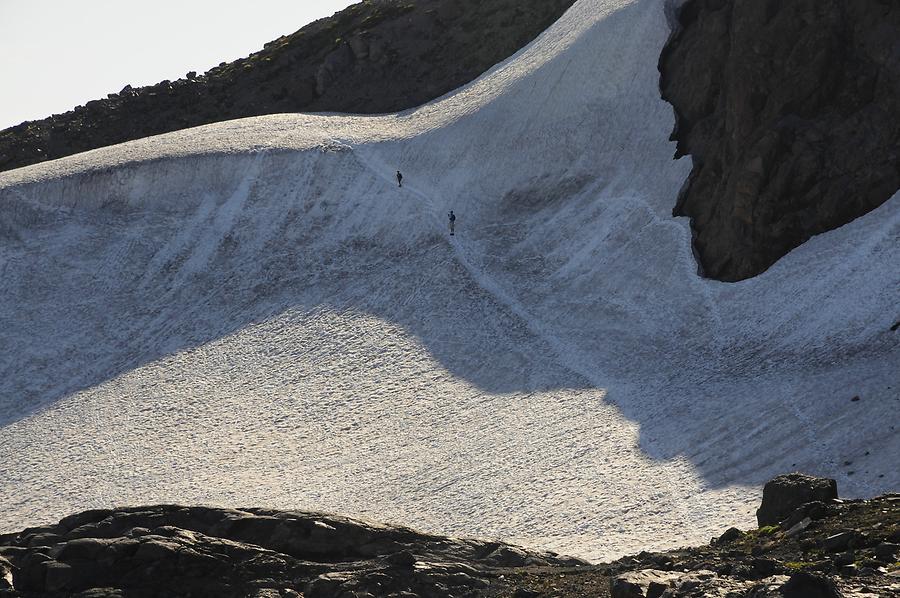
820 546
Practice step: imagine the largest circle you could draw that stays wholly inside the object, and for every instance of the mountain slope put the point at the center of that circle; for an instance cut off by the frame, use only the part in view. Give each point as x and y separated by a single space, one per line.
374 57
253 312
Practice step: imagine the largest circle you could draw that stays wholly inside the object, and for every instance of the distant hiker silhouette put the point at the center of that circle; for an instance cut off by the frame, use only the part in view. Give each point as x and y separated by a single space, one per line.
452 218
399 179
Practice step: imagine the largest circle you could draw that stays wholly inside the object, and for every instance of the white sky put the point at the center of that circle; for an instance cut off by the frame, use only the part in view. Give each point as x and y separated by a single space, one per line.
57 54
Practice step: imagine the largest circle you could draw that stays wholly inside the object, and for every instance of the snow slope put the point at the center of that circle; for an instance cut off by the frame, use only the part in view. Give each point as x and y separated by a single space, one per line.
252 313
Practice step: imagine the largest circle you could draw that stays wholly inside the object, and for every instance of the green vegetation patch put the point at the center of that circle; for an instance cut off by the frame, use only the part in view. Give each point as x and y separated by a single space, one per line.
768 530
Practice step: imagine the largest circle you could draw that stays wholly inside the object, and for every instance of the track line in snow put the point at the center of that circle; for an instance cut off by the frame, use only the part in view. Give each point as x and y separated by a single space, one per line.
566 358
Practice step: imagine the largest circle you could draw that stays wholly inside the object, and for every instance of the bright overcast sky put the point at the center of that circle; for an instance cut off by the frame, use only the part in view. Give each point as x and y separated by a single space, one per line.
57 54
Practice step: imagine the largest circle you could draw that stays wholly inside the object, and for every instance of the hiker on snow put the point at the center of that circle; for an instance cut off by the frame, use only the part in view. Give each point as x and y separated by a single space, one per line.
399 179
452 218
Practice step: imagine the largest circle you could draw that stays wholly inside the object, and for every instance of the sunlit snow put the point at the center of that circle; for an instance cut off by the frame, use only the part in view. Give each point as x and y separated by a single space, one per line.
252 313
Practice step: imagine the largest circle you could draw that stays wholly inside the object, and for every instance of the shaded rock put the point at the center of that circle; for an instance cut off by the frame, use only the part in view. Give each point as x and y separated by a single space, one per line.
328 585
57 576
43 539
849 569
887 551
812 510
807 585
196 551
404 558
100 593
788 110
637 584
798 527
843 559
764 567
730 535
507 556
767 588
333 67
784 494
649 583
841 541
81 548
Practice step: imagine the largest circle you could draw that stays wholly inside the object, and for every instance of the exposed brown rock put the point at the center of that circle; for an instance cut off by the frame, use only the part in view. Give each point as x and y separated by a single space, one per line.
790 110
784 494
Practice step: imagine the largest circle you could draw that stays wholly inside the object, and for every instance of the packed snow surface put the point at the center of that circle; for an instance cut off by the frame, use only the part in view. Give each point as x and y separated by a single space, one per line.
253 313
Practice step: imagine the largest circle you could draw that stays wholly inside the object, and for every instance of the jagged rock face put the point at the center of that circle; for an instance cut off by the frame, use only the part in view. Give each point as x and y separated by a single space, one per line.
374 57
790 110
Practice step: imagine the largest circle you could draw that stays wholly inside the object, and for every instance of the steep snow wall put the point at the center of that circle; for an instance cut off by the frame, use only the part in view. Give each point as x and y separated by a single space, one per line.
253 313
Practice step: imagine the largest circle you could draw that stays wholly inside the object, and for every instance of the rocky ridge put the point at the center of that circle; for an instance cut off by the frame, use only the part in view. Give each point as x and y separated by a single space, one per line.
825 547
376 56
790 110
828 548
199 551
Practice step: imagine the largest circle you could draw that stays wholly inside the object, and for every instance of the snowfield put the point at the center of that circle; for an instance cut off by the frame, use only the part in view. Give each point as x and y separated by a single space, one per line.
252 313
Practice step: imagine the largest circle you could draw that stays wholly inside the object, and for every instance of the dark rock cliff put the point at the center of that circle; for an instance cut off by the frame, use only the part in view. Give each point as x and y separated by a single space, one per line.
374 57
790 110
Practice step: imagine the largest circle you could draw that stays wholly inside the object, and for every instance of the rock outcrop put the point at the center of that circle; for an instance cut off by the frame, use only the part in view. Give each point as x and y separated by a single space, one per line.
374 57
197 551
790 110
783 495
845 548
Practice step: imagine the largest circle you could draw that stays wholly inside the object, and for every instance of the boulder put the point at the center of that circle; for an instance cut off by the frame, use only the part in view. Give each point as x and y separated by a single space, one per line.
844 559
813 510
808 585
57 576
798 527
730 535
647 583
507 556
887 552
81 549
841 541
784 494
